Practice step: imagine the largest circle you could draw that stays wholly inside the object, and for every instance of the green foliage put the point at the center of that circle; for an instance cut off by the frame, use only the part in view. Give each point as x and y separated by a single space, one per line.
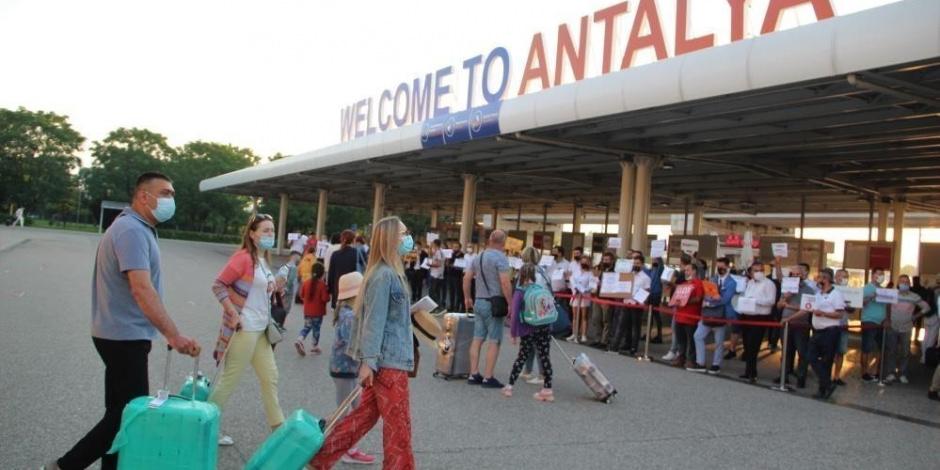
120 158
37 154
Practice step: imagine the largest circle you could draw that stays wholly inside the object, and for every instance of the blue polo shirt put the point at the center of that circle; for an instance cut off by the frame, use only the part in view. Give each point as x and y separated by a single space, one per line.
873 312
129 244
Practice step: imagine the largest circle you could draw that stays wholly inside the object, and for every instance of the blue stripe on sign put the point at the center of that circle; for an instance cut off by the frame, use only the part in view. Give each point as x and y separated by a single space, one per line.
472 124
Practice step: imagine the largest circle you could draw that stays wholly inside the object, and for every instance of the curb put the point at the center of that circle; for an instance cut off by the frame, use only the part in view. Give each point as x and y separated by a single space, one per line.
13 245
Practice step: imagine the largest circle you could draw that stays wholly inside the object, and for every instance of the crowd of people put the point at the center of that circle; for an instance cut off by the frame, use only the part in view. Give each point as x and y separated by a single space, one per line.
368 290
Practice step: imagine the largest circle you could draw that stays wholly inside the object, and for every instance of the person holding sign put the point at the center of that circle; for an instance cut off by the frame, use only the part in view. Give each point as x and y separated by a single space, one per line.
631 320
454 275
436 279
581 302
828 313
898 340
874 319
761 294
715 308
842 279
600 327
687 298
798 337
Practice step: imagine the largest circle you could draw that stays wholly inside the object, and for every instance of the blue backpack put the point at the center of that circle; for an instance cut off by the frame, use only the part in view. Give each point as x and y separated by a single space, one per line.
539 307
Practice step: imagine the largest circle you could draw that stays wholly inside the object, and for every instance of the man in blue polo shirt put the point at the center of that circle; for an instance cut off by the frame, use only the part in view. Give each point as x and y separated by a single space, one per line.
126 313
873 319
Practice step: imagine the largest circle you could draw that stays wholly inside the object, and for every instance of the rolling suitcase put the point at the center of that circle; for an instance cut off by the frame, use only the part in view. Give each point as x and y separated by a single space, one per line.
595 380
168 431
296 441
453 348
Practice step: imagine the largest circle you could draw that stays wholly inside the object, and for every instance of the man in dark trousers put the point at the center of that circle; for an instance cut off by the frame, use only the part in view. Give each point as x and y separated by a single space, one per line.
126 313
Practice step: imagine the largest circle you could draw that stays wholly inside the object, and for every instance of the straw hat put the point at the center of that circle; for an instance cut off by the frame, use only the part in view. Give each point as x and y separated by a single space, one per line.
349 285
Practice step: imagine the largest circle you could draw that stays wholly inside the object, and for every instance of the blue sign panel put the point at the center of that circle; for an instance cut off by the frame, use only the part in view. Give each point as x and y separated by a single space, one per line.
472 124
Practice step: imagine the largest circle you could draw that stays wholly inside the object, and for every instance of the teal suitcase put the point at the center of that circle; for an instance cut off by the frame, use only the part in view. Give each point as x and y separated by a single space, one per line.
296 441
168 432
200 383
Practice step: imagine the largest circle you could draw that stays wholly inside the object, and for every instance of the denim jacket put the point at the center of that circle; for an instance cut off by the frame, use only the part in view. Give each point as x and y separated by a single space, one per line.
343 365
382 335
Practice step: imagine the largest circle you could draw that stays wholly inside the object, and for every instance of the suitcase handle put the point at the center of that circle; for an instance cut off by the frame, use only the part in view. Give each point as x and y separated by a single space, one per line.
563 353
341 410
166 372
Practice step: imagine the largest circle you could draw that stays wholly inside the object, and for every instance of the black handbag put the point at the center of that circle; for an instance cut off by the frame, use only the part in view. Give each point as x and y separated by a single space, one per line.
498 303
278 312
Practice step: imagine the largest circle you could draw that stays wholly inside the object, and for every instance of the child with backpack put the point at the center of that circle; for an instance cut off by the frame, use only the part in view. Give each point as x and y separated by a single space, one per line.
315 296
533 325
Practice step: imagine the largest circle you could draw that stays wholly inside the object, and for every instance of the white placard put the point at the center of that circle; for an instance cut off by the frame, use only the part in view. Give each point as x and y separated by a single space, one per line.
657 249
448 254
426 303
853 295
746 305
779 249
431 237
515 263
689 247
808 302
886 296
292 236
669 274
640 296
613 242
460 263
322 248
740 283
547 261
592 284
611 284
790 285
623 266
558 280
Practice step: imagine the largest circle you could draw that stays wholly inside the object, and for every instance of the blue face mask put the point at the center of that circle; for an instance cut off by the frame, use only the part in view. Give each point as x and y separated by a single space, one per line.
406 245
904 287
266 242
166 207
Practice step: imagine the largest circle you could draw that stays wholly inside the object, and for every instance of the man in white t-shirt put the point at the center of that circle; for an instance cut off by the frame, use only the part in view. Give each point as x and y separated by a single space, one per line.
558 270
436 273
828 313
299 243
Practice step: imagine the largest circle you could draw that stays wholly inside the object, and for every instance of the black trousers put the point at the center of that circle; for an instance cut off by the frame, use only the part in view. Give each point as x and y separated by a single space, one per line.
655 301
822 350
631 321
753 336
125 378
685 341
798 342
455 291
436 290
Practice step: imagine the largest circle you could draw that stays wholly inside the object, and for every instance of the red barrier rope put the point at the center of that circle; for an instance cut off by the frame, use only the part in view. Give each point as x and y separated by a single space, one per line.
672 311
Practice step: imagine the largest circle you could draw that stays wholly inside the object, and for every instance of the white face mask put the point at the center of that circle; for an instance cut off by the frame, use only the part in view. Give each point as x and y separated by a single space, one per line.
879 279
759 276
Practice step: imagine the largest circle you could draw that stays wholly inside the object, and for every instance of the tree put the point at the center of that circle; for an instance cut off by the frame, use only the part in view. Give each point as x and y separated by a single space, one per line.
120 158
214 210
37 154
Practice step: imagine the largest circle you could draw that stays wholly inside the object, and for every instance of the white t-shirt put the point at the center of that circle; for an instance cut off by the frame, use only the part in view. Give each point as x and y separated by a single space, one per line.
764 293
560 267
257 307
299 244
437 272
828 303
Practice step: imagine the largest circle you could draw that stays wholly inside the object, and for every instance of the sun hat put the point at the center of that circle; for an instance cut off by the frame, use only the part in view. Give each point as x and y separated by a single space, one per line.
349 285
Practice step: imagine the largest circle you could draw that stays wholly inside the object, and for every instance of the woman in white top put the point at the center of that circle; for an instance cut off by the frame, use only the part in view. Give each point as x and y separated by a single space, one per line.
244 288
764 293
581 302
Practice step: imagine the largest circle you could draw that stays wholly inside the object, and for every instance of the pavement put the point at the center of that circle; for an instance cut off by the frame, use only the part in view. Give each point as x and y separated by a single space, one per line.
52 385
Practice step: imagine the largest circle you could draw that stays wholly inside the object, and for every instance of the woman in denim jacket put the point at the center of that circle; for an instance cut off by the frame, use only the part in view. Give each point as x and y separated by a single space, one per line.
382 342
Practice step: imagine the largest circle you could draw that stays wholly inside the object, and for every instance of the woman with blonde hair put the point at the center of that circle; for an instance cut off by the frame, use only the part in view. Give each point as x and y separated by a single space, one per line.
382 342
244 288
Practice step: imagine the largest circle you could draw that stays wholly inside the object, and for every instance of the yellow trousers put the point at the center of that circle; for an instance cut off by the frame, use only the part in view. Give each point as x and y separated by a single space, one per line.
244 348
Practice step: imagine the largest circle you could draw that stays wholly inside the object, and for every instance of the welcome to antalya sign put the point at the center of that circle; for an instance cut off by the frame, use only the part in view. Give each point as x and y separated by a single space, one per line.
611 38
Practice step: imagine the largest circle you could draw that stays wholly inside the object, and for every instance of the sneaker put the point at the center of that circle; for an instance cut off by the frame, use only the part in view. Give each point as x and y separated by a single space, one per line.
491 383
226 441
535 380
715 370
867 378
839 382
697 368
903 380
475 379
356 456
525 376
890 378
507 391
669 356
544 394
299 345
571 339
584 339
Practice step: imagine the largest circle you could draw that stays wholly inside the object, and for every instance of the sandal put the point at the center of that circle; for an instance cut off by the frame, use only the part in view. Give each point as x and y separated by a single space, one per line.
299 345
544 394
507 391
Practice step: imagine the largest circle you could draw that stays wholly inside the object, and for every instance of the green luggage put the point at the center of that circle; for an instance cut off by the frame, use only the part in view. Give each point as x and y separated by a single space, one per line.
168 432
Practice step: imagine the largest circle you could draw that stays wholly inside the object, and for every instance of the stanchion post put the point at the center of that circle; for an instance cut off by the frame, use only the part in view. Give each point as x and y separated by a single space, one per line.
646 346
782 386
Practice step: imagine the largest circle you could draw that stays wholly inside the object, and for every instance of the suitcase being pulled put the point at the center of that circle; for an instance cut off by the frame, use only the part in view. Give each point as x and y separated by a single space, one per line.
453 348
168 431
595 380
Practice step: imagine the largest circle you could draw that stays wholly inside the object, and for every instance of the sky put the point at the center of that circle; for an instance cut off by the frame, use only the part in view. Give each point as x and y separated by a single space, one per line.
273 75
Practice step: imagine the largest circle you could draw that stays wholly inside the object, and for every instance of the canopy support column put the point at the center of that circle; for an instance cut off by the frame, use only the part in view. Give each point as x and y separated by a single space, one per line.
576 218
627 183
378 203
698 224
884 208
899 208
282 224
641 200
322 201
434 218
467 216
